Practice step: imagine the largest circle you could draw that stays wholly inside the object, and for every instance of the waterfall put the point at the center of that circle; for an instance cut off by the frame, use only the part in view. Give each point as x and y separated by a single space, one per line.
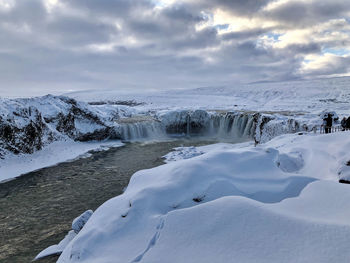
227 126
137 128
232 125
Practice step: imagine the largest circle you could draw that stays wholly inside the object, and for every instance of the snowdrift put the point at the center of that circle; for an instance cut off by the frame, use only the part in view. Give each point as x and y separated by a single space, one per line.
278 202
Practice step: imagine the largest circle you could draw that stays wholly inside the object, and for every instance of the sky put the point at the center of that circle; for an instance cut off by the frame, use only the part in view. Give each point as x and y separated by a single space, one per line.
59 46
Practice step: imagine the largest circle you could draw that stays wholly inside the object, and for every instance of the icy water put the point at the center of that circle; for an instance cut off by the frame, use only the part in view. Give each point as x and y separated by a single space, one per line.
37 209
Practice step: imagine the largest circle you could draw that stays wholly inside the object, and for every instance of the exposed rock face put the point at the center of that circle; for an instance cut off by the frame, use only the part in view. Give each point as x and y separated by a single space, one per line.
24 131
26 125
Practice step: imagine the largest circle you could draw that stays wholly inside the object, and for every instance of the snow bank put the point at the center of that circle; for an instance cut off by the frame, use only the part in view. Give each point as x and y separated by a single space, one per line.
278 202
182 153
57 249
77 224
57 152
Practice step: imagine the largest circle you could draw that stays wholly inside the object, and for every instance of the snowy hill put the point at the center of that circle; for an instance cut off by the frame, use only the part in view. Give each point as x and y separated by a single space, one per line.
304 97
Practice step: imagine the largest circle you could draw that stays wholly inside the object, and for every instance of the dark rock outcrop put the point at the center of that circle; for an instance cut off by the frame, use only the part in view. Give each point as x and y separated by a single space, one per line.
26 125
26 135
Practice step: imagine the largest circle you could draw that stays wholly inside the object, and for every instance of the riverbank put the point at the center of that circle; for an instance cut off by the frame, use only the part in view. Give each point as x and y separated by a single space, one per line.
50 155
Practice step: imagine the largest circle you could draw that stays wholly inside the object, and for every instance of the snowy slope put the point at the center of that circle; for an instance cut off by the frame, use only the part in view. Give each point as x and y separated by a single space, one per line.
277 202
304 97
56 152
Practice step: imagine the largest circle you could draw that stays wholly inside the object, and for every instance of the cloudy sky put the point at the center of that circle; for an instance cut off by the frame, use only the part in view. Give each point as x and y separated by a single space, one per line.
57 46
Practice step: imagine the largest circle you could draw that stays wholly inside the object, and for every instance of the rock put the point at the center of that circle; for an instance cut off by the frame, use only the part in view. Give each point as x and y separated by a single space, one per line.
27 125
23 131
79 222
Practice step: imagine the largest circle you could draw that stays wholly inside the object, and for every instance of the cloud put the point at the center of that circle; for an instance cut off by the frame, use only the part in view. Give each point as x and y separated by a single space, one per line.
300 13
326 65
238 7
52 46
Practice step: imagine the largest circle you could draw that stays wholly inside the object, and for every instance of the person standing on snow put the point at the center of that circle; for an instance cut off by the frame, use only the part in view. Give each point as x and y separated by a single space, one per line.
347 124
343 123
328 122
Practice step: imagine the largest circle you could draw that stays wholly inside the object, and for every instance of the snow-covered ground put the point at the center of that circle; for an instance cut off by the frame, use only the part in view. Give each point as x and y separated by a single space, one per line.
299 97
277 202
56 152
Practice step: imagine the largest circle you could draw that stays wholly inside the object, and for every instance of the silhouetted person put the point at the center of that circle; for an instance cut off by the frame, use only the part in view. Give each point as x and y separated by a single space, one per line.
328 122
347 124
343 124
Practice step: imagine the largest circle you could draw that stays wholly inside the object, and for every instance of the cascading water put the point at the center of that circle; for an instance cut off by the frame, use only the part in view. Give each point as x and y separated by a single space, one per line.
227 126
142 130
232 125
136 128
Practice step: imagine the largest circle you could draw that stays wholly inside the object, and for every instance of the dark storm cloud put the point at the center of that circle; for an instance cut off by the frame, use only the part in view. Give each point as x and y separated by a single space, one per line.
246 34
111 8
171 27
79 31
140 44
306 13
29 11
302 49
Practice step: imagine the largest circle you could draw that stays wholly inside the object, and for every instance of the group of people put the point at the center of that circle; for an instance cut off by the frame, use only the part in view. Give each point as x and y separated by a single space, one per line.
328 123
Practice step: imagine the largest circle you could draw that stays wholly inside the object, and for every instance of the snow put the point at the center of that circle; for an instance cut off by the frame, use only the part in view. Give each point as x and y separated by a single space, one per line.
54 153
182 153
77 224
290 97
57 249
277 202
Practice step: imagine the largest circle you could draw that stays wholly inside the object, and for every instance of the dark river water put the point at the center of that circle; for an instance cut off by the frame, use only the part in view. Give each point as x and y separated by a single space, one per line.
37 209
